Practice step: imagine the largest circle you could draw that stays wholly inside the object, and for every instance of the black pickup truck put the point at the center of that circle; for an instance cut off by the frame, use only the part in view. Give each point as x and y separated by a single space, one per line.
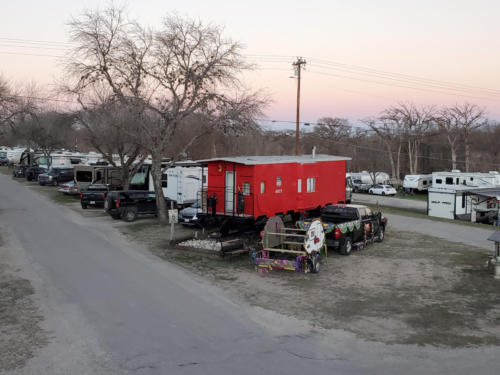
347 226
94 195
54 176
127 205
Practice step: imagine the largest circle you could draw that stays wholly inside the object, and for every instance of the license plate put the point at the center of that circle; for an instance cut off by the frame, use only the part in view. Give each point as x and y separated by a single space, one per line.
92 202
186 220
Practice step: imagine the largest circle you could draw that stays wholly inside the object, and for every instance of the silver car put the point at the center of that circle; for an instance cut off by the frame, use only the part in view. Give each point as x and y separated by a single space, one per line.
188 215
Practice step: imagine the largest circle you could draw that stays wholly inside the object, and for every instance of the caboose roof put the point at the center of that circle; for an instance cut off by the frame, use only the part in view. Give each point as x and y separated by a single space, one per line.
282 159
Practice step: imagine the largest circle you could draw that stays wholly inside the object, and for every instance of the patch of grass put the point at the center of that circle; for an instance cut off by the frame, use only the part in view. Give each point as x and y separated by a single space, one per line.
414 197
20 320
52 193
423 215
6 170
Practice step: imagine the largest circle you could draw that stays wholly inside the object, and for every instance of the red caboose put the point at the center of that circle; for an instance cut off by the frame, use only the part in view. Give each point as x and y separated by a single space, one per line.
254 188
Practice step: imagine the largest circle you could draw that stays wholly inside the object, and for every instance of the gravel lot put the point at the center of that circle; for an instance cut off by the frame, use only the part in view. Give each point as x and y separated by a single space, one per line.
410 289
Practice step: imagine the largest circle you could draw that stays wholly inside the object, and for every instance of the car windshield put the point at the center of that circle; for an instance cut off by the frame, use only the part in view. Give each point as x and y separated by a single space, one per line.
196 204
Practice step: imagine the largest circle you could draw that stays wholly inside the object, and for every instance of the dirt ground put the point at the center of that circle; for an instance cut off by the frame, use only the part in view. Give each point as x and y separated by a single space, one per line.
410 289
20 318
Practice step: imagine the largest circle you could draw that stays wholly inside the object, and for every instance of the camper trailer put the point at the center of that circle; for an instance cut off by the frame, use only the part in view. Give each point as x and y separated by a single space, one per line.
477 204
182 183
417 182
106 175
14 154
457 178
371 178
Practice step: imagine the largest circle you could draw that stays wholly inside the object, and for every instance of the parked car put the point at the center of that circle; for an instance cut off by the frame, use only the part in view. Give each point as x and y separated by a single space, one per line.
128 205
68 188
359 186
19 171
32 173
382 190
189 215
55 176
4 161
348 226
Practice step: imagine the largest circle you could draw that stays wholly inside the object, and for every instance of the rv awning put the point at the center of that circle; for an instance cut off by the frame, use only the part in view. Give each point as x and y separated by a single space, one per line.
495 236
488 192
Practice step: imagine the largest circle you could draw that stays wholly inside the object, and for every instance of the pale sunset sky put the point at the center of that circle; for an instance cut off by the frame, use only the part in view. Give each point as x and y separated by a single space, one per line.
362 55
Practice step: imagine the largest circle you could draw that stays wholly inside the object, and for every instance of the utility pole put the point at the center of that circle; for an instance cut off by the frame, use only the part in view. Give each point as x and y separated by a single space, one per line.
298 67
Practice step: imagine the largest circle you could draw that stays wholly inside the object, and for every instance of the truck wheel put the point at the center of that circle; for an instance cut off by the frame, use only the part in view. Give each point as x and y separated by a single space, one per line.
380 234
346 247
130 214
84 205
55 183
383 193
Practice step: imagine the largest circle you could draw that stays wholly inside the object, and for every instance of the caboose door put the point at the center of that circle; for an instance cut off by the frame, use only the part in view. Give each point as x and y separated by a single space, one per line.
229 196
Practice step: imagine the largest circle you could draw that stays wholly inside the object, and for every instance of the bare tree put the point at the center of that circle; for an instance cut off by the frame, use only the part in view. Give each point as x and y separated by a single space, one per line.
333 128
164 75
450 127
15 105
416 121
111 129
47 131
465 118
390 133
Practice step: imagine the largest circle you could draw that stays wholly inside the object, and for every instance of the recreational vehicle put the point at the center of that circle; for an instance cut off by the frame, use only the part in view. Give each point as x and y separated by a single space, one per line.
183 182
477 204
456 178
417 182
106 175
14 154
371 178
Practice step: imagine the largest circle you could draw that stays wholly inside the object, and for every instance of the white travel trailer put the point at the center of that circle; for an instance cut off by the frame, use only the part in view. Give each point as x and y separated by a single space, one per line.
457 178
14 154
182 183
477 204
418 182
448 203
367 177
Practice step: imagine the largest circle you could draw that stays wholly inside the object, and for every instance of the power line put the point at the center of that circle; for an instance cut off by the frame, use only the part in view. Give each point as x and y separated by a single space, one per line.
429 85
402 86
414 82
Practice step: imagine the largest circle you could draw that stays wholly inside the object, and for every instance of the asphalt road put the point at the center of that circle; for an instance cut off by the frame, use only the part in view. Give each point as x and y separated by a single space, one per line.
406 204
132 313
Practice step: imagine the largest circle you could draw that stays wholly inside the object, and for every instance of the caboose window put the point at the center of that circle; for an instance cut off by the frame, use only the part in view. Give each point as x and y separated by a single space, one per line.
278 181
299 185
311 184
246 188
262 187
